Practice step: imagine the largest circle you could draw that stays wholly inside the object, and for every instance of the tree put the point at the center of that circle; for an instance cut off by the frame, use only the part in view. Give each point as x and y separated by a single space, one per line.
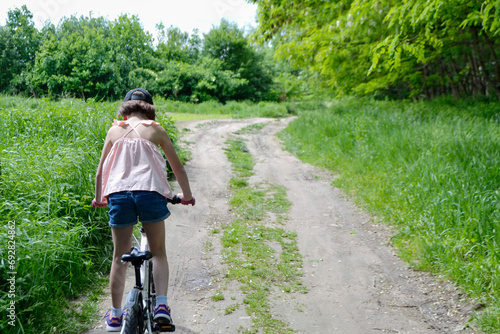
411 48
199 82
19 41
453 44
91 57
228 44
88 57
176 45
324 38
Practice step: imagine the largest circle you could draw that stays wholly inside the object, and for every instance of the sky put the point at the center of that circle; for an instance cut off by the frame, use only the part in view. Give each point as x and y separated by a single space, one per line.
184 14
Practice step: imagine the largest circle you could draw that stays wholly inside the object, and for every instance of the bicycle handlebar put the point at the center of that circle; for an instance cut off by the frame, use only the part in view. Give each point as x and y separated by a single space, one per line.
174 200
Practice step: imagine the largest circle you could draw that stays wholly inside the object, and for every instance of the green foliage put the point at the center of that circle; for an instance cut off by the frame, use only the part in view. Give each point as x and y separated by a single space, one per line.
228 44
319 36
49 154
225 68
19 41
390 49
176 45
430 169
488 15
186 82
89 57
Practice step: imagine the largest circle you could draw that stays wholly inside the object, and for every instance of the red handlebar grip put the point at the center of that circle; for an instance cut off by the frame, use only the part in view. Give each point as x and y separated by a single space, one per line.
192 201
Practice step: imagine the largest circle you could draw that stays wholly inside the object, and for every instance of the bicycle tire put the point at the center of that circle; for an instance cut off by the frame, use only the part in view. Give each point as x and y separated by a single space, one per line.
134 322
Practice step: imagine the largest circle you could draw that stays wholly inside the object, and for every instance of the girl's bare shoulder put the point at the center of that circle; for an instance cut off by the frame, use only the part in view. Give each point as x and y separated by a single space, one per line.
115 132
116 128
160 134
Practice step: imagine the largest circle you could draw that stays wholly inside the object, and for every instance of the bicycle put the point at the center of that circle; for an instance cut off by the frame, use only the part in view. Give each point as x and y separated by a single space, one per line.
140 302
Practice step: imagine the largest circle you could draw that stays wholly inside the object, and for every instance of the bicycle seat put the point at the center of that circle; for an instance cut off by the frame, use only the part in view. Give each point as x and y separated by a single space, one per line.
136 255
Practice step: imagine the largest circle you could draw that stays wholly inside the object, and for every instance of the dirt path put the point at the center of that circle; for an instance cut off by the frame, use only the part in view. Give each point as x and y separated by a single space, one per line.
355 282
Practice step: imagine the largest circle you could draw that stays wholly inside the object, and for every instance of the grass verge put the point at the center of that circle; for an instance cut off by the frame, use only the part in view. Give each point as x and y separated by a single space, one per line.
194 117
48 154
230 109
260 254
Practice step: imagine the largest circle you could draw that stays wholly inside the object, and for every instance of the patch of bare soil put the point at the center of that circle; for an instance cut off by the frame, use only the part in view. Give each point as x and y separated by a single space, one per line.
355 281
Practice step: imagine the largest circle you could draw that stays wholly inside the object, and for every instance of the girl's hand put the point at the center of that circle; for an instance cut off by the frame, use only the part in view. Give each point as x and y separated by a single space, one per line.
99 205
192 201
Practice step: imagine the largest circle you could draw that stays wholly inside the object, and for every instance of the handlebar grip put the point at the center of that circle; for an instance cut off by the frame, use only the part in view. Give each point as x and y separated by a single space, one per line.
192 201
174 200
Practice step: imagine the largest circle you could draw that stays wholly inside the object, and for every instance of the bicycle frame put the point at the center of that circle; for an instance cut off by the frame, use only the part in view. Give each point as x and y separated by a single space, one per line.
141 299
149 297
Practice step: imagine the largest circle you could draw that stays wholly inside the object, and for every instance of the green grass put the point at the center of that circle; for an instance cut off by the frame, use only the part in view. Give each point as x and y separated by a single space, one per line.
230 109
49 153
260 254
253 128
218 296
237 153
194 117
430 169
230 309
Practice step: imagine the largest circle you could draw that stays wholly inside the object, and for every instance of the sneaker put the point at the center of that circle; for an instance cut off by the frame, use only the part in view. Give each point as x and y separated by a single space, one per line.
162 315
113 323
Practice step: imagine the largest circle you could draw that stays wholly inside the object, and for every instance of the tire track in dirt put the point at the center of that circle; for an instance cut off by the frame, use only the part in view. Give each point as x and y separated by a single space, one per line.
356 283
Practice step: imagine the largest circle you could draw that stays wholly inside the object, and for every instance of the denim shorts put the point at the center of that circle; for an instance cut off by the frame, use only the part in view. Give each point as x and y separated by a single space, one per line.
126 207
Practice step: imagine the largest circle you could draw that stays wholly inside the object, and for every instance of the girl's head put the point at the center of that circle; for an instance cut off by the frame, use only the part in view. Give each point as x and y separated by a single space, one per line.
138 100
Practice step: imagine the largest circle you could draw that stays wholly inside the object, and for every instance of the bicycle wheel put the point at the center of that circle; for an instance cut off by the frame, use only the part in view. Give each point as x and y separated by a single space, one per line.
134 322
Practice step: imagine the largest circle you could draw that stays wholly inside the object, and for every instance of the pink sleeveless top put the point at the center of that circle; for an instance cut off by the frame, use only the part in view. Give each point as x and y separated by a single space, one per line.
134 164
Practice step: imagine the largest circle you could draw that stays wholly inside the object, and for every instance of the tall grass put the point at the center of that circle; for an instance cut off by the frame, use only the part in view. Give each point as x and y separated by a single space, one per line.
49 152
431 169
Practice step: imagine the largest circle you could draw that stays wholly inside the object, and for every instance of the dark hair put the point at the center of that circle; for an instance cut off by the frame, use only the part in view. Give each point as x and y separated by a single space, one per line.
137 106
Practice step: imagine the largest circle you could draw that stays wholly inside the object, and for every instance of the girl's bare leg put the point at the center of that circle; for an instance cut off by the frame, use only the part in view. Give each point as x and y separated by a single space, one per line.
156 239
122 241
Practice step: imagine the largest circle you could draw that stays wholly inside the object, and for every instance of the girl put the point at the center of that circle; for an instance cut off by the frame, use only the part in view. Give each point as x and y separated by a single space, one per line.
131 178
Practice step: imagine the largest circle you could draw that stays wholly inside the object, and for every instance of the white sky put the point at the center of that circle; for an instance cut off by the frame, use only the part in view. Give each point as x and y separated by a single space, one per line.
184 14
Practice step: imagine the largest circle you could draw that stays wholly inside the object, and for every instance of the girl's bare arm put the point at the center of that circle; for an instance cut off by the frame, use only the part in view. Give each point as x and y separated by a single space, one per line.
175 163
98 177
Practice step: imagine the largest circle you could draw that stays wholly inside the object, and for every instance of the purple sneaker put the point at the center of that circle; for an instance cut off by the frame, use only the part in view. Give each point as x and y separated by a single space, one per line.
113 323
162 315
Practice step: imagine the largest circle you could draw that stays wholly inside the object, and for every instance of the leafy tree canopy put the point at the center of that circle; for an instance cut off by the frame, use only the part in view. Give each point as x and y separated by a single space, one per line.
19 41
404 48
93 57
